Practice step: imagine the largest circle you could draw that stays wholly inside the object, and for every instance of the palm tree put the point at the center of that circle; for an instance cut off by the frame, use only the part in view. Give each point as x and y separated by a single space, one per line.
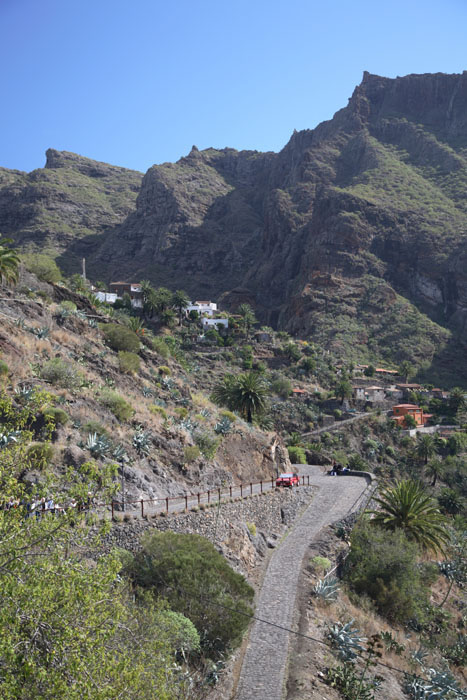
9 262
246 394
180 301
434 470
408 507
457 399
248 316
426 447
406 370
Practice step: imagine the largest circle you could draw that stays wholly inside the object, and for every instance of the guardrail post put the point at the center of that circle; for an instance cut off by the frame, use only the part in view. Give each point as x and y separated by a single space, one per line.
142 508
219 493
251 488
303 481
167 504
199 498
112 510
241 490
230 491
308 479
261 484
209 497
186 502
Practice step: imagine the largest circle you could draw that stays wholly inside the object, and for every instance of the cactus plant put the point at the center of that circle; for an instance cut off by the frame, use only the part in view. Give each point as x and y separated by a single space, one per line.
98 445
141 441
223 427
327 588
347 640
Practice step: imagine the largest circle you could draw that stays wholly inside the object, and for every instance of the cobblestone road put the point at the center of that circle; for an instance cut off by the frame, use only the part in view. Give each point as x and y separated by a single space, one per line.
263 672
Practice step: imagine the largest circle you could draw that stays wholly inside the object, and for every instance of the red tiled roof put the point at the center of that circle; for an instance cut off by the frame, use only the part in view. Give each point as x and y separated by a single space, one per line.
299 391
407 405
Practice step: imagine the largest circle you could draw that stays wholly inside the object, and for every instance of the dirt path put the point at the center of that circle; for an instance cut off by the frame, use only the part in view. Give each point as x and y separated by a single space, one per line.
263 673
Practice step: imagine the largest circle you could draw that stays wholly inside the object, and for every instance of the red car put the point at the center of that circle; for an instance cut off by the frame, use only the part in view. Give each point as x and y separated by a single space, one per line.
288 480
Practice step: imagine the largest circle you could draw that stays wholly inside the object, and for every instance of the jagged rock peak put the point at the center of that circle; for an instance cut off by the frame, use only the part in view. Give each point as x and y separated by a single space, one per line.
87 166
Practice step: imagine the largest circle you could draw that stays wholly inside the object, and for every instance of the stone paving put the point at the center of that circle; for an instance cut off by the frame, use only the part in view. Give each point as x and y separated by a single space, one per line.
263 673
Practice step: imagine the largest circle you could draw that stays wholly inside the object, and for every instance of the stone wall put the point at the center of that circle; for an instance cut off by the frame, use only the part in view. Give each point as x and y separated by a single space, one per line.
242 530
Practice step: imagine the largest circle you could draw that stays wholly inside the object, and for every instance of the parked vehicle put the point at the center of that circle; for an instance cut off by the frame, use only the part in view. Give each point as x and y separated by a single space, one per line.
288 480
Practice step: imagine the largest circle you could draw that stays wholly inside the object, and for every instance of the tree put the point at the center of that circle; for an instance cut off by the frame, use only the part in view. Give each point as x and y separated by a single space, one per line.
246 394
180 301
9 262
408 507
457 399
343 390
406 370
248 317
197 581
434 470
426 447
409 421
369 371
43 266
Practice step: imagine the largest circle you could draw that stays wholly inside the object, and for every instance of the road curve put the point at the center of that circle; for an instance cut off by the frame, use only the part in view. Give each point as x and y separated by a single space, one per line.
263 672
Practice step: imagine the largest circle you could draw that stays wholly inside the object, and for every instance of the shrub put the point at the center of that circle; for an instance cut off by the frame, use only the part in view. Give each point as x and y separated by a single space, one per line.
120 337
296 455
161 347
40 455
183 568
57 415
190 453
128 362
320 564
207 444
61 373
164 371
251 529
44 267
383 565
337 413
181 411
68 306
282 387
158 411
93 426
228 414
4 369
121 409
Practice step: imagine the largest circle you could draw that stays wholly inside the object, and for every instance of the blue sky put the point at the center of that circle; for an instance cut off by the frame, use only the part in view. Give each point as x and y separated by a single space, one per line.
138 82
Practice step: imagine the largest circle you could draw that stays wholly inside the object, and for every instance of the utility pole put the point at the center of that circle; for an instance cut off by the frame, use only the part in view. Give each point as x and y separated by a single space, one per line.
122 463
84 269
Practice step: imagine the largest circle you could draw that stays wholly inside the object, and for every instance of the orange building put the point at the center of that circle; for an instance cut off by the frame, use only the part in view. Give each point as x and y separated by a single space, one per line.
404 409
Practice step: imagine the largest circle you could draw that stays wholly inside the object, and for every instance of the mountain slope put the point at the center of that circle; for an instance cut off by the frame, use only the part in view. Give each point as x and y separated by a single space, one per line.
355 233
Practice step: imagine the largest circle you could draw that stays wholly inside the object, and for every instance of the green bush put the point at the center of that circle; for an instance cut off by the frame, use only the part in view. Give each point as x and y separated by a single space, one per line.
296 455
93 426
282 386
121 409
384 566
181 411
128 362
207 444
251 529
158 411
40 455
190 453
228 414
68 306
164 371
4 369
196 580
43 266
57 415
61 373
161 347
120 337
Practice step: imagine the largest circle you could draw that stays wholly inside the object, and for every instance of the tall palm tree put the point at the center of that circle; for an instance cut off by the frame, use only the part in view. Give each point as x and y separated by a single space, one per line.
180 301
408 507
426 447
434 470
247 393
248 317
9 262
406 370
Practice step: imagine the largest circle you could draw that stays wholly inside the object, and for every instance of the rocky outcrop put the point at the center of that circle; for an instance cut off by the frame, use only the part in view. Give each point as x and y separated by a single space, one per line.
369 205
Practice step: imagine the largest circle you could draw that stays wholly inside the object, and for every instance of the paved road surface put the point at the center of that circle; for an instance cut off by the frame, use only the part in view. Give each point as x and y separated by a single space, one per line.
263 672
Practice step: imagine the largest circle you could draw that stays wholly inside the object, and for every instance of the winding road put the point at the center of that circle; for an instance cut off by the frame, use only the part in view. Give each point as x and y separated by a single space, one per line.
263 674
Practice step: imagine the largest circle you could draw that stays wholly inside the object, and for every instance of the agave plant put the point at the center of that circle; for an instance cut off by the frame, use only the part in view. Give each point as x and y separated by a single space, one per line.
223 427
347 640
19 323
142 441
119 453
41 333
440 685
147 392
9 438
24 393
92 323
327 588
205 412
188 425
98 445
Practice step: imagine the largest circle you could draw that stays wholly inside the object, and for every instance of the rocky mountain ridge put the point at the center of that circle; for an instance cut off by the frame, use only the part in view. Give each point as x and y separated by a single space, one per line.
355 233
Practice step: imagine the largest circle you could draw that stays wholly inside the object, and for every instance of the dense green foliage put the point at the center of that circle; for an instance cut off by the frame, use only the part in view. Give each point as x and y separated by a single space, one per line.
128 362
43 266
246 393
198 582
120 337
117 404
9 262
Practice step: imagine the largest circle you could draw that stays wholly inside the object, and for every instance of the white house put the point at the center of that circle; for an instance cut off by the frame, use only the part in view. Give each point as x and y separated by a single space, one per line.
109 297
373 394
202 307
214 323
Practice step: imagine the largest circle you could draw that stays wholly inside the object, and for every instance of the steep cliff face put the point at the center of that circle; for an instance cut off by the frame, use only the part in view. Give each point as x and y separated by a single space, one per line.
355 233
